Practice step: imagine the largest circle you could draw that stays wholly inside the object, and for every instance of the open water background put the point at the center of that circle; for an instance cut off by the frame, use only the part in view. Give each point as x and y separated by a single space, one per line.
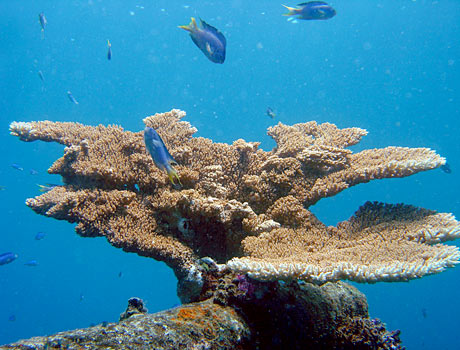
391 67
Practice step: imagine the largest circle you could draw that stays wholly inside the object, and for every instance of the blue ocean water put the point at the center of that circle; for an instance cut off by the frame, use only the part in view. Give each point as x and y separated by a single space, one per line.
391 67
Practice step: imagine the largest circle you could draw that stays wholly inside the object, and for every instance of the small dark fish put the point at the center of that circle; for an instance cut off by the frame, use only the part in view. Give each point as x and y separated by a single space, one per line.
7 258
42 20
120 274
42 77
109 51
39 236
270 113
33 172
311 10
12 318
208 39
446 168
71 98
424 314
47 187
160 154
31 263
17 167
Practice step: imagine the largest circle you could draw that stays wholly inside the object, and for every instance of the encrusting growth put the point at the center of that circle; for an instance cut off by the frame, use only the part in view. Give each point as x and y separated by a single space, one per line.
242 206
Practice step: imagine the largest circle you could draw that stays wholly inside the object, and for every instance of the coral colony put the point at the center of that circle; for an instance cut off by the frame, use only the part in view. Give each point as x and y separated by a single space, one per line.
241 216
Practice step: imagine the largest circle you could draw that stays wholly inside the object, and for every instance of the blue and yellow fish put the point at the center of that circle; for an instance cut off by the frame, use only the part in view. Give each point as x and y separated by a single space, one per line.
446 168
40 235
160 154
31 263
71 98
47 187
109 50
270 112
42 20
208 39
7 258
311 10
41 76
17 167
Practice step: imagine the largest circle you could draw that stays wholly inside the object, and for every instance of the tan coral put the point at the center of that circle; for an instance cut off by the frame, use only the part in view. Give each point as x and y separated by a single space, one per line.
241 204
379 243
121 216
212 181
211 228
291 140
374 164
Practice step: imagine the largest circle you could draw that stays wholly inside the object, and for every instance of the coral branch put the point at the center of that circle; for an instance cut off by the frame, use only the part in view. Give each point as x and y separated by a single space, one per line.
242 205
375 164
379 243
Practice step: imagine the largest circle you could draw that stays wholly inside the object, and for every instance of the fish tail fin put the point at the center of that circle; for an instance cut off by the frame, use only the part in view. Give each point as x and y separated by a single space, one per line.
193 23
172 174
292 11
191 27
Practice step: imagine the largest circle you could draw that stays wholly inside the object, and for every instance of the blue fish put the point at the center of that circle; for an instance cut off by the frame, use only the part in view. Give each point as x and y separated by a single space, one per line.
12 318
208 39
446 168
41 76
7 258
17 167
311 10
31 263
33 172
270 112
39 236
42 20
109 51
71 98
160 154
